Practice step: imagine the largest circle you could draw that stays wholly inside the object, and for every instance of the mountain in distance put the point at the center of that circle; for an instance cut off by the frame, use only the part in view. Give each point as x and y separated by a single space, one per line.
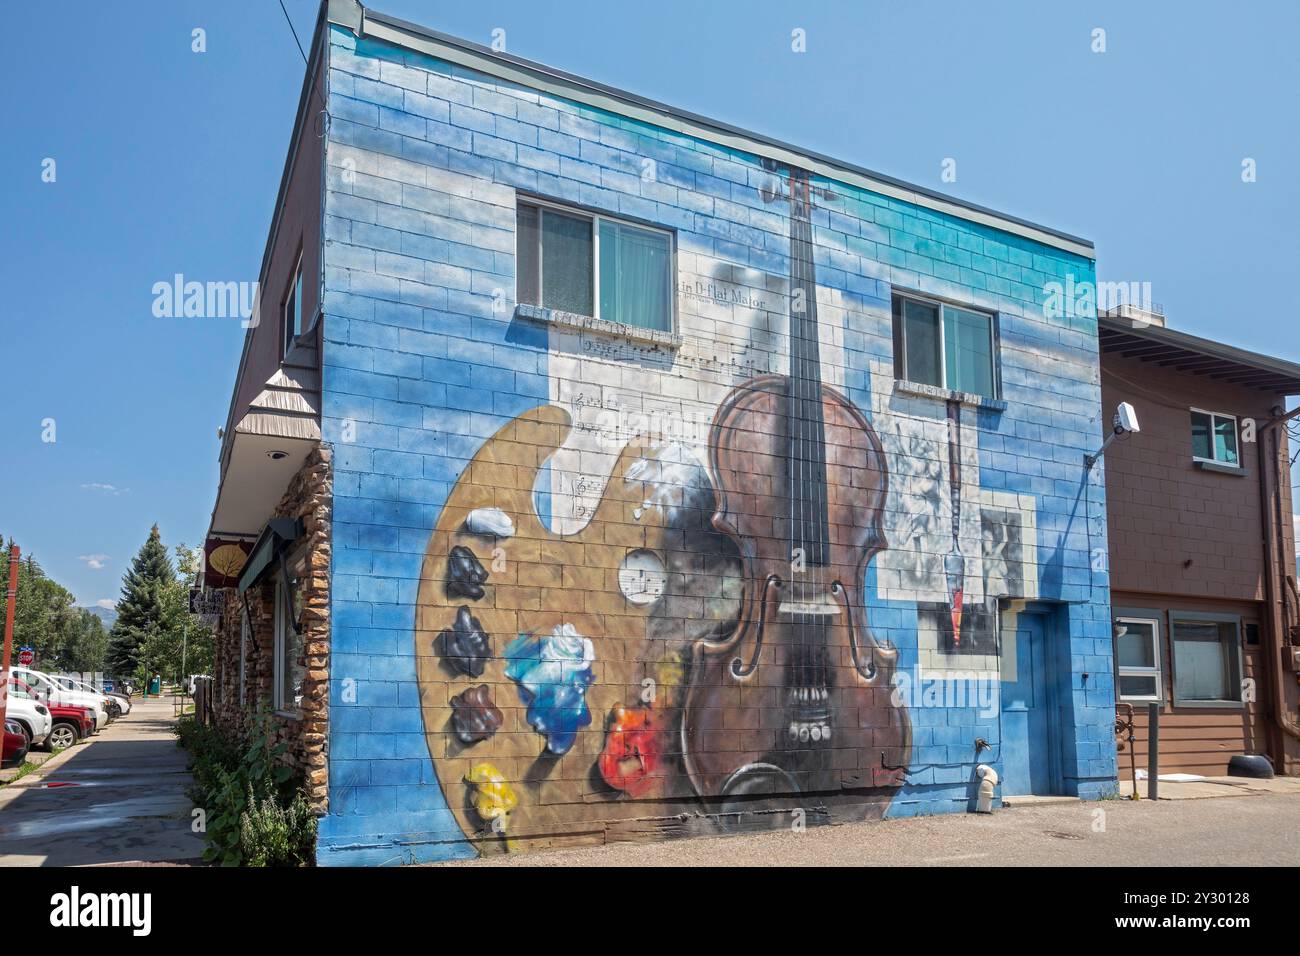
106 614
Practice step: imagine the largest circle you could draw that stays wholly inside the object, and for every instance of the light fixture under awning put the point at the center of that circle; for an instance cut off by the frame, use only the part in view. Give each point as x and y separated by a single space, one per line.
278 535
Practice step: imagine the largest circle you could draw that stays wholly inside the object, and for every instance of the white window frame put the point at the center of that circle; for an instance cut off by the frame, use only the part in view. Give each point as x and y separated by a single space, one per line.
596 218
941 305
295 282
1129 671
1236 432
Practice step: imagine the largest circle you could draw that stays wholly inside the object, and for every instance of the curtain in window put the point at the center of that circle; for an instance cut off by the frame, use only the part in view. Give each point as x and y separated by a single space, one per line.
1202 662
921 335
566 263
1136 647
968 340
634 276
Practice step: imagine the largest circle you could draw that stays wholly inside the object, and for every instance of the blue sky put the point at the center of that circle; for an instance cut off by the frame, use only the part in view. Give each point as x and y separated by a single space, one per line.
168 161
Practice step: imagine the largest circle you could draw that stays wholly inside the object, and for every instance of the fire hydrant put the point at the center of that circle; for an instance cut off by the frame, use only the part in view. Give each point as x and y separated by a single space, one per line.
988 781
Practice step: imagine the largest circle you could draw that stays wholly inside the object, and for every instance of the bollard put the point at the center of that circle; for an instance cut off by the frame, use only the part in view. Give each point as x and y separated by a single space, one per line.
1153 751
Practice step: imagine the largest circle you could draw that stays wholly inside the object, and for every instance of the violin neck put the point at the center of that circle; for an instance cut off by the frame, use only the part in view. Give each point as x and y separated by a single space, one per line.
809 524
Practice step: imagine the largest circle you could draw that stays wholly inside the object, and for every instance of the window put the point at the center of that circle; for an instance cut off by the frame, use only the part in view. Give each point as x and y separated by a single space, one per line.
944 345
1207 659
594 265
1137 658
287 690
243 655
291 310
1214 437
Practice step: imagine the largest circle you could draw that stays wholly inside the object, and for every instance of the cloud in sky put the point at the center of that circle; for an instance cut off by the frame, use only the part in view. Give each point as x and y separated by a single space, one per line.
104 488
96 562
107 603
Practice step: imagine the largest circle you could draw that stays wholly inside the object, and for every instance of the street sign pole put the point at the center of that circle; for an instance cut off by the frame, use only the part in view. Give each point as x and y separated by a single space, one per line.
9 631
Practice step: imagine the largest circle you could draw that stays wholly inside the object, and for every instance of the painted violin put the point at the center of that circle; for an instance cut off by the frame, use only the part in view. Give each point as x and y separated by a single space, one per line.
797 698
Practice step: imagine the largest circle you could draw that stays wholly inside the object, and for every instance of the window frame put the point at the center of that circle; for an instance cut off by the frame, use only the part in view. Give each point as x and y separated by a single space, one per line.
1237 661
244 629
595 217
899 324
281 643
1154 619
292 294
1236 437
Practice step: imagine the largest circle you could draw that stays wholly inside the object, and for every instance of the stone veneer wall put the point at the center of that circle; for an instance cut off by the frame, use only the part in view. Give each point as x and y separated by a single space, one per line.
309 497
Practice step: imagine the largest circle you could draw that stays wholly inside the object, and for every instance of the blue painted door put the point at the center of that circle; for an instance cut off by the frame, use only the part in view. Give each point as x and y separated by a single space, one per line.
1029 743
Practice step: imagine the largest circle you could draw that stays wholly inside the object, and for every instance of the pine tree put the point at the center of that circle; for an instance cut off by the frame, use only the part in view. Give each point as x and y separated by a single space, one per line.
143 611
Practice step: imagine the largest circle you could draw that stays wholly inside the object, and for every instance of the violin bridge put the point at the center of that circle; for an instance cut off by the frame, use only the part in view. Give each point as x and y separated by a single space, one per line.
816 608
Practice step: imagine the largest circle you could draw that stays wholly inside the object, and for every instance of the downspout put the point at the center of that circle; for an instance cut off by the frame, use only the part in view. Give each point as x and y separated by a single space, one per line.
1281 614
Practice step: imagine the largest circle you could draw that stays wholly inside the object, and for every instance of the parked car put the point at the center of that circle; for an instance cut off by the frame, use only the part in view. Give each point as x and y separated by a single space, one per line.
25 708
115 699
44 685
15 745
71 724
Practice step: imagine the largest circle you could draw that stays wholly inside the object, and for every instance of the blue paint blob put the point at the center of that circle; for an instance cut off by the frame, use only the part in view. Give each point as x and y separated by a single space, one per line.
553 673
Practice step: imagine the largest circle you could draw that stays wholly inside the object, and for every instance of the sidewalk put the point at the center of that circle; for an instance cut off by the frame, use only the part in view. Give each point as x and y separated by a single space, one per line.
1212 787
116 798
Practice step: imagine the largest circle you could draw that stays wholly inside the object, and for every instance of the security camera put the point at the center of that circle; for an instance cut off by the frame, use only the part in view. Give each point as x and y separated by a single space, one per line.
1126 419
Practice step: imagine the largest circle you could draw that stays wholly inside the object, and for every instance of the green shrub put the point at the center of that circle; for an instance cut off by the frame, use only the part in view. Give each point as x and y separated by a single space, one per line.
273 835
255 812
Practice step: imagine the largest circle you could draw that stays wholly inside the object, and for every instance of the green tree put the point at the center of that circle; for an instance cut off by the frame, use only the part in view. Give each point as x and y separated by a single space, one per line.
46 618
145 612
86 644
181 644
44 611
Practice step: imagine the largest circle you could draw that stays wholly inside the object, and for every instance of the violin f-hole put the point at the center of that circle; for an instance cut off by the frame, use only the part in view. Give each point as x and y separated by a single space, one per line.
868 671
770 588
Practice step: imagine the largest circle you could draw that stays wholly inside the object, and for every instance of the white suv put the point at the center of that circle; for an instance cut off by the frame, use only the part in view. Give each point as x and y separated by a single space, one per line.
24 708
75 683
56 693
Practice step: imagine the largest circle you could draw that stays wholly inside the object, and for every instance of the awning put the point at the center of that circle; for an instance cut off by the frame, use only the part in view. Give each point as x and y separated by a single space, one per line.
1148 342
278 535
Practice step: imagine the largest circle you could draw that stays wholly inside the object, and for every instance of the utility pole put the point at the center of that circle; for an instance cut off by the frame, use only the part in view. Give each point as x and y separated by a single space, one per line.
9 630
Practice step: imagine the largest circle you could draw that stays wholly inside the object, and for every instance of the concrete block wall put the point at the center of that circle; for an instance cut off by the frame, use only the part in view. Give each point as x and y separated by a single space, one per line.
425 359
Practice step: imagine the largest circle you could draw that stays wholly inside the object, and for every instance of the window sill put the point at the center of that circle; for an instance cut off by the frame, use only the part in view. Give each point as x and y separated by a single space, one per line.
948 395
293 715
1219 468
1209 705
585 323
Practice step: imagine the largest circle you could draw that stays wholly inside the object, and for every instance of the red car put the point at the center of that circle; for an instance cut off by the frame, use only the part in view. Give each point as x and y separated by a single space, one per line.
15 745
71 724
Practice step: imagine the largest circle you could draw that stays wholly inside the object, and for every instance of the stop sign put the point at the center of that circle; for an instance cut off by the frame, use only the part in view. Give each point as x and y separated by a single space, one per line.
26 656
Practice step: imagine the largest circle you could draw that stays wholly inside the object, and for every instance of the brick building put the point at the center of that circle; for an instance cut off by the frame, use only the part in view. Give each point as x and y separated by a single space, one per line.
600 471
1202 549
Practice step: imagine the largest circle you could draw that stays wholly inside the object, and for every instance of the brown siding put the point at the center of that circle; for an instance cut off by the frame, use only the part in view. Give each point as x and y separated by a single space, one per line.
1183 538
1199 739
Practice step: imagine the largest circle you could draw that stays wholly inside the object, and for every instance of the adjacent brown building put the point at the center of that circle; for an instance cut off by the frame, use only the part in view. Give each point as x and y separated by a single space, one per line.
1202 549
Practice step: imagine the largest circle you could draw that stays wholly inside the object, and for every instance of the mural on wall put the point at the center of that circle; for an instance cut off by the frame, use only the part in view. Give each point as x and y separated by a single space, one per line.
644 600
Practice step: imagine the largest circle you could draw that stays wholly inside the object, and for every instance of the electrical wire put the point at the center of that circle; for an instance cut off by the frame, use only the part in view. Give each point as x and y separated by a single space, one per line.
323 108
